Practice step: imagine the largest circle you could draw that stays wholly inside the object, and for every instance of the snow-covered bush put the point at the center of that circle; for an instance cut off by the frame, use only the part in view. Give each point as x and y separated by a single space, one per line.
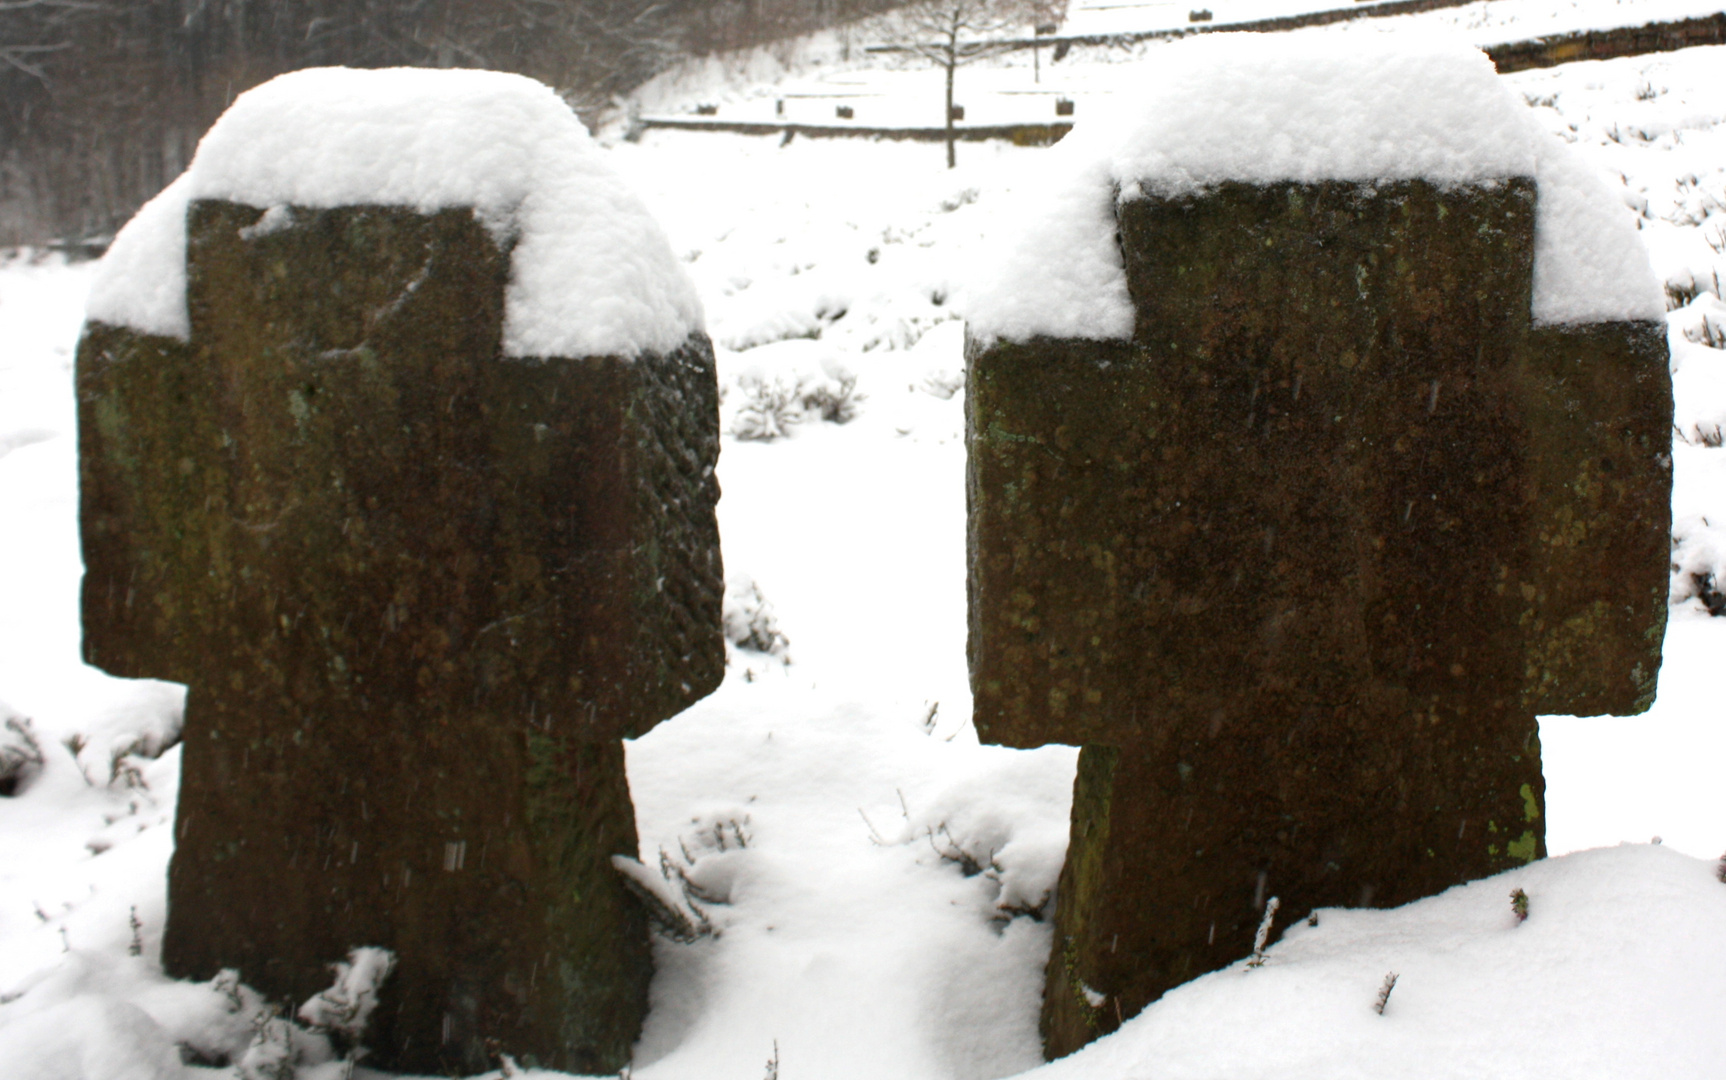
775 324
944 383
788 383
1682 287
94 1004
962 197
749 619
770 406
97 1007
716 833
701 874
672 907
1697 338
1699 565
833 396
346 1007
134 720
1014 855
325 1042
1704 321
20 751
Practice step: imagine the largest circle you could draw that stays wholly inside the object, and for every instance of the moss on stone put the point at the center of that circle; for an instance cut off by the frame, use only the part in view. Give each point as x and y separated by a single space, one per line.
1526 847
1068 1016
1598 407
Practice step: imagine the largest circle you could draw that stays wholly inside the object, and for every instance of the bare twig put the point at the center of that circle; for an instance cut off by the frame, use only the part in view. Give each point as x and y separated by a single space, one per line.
1384 993
1264 933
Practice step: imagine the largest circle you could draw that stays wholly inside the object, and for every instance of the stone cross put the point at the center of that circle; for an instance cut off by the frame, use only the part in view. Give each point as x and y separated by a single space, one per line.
1300 563
419 592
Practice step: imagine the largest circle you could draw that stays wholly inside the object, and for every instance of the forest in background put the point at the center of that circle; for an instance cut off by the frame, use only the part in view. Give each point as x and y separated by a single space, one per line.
102 102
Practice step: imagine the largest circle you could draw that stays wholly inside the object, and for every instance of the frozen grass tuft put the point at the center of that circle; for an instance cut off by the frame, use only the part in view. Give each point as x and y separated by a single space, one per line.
1698 567
771 406
1264 932
1384 990
678 896
20 751
788 387
834 397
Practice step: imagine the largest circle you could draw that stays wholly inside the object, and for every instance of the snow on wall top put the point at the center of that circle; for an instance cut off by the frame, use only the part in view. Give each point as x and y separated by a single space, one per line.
592 274
1268 108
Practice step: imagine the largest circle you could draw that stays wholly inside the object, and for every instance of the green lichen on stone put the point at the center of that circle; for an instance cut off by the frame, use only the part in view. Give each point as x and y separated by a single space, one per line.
1597 402
1076 985
1084 880
1525 847
1530 808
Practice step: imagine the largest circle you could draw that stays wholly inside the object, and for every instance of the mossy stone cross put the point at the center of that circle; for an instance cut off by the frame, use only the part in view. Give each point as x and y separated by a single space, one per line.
1300 563
419 592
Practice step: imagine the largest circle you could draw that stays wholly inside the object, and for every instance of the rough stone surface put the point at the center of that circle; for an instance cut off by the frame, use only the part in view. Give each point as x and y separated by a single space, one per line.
1301 562
419 593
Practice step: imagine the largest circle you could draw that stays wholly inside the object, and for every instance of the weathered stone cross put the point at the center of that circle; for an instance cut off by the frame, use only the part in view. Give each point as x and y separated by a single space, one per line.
1300 563
419 592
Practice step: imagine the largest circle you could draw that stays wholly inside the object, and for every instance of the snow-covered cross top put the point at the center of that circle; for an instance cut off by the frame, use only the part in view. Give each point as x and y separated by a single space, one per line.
1318 442
397 435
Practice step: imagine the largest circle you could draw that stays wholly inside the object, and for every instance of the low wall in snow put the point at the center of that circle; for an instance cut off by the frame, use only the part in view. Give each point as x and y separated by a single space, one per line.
1507 57
1062 42
1019 134
1606 44
1511 56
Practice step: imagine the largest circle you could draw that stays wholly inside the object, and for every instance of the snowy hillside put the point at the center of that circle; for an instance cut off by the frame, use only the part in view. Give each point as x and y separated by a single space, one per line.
805 81
877 874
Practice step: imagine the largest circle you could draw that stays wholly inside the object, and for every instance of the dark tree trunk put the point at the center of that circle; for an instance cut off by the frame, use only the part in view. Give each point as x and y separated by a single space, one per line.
952 62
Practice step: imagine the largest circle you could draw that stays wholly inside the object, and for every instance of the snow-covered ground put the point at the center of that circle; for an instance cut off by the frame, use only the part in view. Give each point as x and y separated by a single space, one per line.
854 944
805 81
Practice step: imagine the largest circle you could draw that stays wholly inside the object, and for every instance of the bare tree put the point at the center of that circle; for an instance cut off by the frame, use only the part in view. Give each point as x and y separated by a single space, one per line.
1046 17
951 33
